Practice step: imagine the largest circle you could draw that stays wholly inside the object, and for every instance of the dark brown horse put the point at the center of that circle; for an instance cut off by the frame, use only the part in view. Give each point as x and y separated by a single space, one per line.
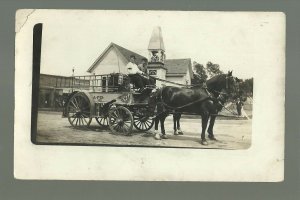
177 115
206 102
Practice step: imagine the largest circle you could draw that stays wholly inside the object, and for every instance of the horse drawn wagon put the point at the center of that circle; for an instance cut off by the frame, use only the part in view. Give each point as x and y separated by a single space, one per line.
111 100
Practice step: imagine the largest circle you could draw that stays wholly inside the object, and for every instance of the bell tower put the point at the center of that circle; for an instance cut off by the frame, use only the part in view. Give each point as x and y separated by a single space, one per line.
157 56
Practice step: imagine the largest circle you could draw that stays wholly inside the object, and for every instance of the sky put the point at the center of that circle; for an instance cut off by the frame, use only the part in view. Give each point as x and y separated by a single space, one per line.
234 40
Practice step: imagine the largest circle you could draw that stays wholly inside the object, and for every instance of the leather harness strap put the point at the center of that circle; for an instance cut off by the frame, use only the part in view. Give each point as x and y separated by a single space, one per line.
199 100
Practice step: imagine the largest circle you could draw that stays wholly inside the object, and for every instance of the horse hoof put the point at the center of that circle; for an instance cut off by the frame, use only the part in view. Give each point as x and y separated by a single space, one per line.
164 137
176 133
180 133
204 142
212 137
157 137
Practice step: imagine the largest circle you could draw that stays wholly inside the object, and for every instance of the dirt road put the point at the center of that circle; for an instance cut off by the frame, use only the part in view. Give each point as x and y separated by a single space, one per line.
231 134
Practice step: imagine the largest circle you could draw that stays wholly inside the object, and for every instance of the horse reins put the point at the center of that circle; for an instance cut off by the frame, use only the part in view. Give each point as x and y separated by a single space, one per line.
179 84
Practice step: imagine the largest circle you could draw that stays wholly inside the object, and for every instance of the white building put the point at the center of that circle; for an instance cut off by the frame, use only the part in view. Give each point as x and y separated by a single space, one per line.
115 58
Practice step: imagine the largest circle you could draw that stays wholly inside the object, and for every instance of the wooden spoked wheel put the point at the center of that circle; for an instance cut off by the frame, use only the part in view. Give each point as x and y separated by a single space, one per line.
102 121
143 123
79 110
120 120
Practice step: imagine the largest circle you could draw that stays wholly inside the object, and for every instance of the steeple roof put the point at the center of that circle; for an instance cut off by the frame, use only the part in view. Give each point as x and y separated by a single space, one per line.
156 40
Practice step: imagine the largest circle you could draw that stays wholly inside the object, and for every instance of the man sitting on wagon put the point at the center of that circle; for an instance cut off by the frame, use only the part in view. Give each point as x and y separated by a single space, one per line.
136 76
143 65
144 68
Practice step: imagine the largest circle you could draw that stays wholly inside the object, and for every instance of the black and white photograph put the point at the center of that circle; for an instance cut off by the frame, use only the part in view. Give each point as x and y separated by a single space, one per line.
145 82
152 80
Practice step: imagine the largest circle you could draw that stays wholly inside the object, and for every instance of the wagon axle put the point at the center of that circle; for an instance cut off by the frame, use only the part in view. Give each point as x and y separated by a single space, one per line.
120 122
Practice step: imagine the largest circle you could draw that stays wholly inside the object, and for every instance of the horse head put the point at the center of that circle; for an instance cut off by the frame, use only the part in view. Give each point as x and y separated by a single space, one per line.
223 86
232 85
155 96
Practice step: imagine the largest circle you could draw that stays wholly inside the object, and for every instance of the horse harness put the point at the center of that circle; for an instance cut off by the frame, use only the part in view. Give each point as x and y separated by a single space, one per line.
186 105
219 100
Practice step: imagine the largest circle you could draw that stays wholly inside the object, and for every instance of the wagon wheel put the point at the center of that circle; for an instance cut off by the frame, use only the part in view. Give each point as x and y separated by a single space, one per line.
120 120
143 123
79 110
102 121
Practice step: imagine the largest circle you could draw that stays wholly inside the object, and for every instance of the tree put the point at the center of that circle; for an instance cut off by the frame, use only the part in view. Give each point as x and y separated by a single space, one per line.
213 69
246 87
200 71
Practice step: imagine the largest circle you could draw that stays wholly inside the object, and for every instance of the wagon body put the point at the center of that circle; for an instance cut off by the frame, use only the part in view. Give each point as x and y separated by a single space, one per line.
111 100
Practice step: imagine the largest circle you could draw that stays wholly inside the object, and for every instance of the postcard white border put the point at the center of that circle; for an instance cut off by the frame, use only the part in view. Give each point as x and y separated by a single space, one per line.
262 162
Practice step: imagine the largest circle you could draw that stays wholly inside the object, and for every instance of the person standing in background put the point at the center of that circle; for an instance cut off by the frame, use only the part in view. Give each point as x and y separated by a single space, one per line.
239 106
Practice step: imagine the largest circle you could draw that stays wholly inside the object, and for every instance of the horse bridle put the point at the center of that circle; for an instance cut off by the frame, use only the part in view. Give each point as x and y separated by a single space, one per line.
222 96
226 87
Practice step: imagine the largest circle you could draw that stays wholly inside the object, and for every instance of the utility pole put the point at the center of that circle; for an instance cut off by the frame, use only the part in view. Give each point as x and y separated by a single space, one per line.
73 69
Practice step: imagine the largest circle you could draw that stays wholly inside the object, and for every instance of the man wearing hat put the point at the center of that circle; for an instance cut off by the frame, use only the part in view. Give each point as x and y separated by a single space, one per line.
144 68
135 74
143 65
239 106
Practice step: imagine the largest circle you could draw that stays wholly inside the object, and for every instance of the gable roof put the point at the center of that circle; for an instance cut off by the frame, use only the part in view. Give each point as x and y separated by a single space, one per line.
175 67
121 50
127 53
178 67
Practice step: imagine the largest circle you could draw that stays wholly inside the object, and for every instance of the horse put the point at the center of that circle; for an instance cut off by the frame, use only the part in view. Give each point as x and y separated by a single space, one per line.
177 115
176 123
206 102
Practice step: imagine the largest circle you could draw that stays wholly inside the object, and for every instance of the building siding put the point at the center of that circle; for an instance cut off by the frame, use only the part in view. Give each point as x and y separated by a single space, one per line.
112 62
187 78
161 74
175 80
